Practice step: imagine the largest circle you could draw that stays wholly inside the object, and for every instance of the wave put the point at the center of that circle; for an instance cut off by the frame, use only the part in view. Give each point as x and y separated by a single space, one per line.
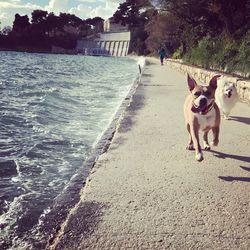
55 109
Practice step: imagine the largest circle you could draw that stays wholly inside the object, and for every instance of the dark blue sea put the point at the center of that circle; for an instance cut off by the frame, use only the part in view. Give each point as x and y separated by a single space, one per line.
53 110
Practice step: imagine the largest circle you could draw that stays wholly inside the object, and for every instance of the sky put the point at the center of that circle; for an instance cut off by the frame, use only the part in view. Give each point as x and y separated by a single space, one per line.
81 8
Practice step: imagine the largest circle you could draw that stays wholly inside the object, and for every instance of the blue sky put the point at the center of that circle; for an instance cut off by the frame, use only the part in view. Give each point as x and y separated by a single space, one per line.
81 8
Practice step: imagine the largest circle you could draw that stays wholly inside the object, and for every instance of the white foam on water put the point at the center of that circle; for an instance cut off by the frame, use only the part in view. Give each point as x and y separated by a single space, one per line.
63 109
9 218
141 61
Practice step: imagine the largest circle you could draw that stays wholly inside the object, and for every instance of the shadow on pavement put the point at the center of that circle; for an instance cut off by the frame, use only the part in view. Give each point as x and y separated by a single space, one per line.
136 104
231 156
245 120
234 178
245 168
147 75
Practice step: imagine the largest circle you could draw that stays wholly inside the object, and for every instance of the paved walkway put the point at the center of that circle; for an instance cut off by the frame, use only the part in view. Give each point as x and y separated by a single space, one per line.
148 192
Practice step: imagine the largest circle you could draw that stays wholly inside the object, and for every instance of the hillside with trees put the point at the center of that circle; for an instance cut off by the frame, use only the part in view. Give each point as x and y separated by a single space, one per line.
209 33
45 30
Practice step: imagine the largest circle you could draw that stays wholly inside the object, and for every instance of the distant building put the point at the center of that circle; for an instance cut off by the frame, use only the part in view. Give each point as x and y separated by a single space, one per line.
114 41
110 26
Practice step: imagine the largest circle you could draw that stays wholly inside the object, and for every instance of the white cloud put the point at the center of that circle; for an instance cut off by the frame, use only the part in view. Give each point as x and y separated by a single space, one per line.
90 1
81 11
10 1
9 8
57 6
117 1
104 9
83 8
3 16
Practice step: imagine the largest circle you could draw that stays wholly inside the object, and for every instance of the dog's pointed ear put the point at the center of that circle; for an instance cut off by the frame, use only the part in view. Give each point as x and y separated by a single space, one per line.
213 81
191 82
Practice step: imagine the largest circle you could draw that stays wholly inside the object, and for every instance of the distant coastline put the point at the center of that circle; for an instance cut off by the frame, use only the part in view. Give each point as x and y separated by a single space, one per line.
31 50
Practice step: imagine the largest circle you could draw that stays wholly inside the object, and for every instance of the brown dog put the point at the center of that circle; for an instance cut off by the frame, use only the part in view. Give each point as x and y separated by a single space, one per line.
201 113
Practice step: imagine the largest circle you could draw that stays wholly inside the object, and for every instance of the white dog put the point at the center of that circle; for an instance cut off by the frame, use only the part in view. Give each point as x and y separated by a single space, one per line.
226 96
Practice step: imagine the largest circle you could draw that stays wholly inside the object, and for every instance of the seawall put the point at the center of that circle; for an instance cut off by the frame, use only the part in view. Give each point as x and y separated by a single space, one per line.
203 75
70 196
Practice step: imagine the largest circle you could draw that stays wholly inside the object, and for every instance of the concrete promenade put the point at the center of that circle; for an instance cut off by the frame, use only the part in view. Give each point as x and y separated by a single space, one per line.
148 192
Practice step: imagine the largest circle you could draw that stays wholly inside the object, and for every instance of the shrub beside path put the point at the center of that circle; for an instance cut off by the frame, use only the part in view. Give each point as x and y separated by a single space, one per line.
148 192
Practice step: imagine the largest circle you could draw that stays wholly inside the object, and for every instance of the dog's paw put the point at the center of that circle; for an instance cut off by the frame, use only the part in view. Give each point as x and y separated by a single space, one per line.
199 157
214 143
190 147
206 146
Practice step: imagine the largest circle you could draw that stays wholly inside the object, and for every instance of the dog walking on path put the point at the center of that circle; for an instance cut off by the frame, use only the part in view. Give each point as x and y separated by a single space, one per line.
201 113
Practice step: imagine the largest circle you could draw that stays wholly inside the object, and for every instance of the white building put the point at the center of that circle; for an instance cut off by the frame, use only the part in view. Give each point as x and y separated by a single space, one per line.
110 26
114 41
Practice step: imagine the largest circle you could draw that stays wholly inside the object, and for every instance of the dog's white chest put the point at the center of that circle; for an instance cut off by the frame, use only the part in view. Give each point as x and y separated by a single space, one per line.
207 121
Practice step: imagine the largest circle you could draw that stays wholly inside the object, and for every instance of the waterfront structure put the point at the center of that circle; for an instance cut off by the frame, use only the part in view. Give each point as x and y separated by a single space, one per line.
114 41
110 26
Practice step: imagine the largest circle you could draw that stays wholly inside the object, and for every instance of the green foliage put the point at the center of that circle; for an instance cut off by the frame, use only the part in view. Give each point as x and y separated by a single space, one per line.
178 53
210 33
219 53
244 55
200 55
133 13
213 33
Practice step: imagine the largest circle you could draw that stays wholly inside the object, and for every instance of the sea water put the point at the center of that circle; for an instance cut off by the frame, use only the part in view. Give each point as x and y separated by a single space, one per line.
53 109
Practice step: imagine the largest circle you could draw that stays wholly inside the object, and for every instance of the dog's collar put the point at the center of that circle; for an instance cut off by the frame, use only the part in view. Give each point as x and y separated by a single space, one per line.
196 109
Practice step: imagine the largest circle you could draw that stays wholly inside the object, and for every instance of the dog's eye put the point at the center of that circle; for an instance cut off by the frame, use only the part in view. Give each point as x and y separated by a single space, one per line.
207 93
198 93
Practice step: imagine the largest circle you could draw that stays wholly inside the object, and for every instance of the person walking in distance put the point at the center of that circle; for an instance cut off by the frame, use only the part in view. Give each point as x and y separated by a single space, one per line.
162 54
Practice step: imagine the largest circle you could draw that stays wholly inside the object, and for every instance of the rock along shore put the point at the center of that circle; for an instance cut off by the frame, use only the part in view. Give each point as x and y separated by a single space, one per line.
147 192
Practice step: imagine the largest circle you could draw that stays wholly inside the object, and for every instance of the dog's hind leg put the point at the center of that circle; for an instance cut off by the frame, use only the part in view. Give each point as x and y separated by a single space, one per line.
216 131
190 145
205 139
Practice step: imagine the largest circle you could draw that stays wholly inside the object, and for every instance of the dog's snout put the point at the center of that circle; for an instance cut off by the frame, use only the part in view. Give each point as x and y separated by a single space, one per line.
203 102
229 93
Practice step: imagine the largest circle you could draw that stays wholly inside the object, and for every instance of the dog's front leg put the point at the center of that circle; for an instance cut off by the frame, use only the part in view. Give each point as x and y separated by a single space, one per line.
205 139
197 147
190 145
216 131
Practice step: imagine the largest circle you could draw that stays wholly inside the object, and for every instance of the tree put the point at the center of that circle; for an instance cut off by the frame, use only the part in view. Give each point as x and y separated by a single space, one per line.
38 16
131 12
163 31
20 24
97 22
135 14
69 19
6 31
51 23
229 17
84 29
234 16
